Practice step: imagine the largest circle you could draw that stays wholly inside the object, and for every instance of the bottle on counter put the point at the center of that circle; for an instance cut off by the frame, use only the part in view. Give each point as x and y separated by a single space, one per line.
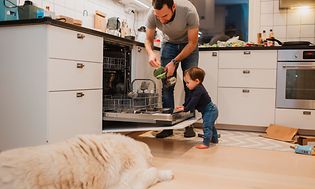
271 36
259 39
264 38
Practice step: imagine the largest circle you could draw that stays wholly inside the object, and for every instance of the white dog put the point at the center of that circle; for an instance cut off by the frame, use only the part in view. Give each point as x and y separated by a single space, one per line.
109 161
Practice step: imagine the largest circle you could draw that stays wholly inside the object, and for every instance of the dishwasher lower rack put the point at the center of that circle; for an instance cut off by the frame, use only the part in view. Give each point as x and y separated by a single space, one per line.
124 103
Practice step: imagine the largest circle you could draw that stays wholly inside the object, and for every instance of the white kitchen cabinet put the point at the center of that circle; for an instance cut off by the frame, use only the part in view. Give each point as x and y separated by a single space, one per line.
246 106
51 84
209 62
254 78
257 59
246 87
296 118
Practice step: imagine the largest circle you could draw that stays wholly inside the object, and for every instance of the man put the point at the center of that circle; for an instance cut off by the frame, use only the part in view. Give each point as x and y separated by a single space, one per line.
179 22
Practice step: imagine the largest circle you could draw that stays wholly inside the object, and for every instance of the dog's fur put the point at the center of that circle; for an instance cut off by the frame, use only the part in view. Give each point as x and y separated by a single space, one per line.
109 161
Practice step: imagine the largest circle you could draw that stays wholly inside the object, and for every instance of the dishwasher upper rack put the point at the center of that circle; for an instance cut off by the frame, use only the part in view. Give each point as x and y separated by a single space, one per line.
141 99
114 63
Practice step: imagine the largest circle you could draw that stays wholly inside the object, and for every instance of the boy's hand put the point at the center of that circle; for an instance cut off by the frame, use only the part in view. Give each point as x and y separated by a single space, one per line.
180 108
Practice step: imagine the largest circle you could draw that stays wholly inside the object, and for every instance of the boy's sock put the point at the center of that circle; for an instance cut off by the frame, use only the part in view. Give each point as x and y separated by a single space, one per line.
202 146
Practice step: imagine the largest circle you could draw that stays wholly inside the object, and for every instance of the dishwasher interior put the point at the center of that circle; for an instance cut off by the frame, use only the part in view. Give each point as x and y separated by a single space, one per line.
131 101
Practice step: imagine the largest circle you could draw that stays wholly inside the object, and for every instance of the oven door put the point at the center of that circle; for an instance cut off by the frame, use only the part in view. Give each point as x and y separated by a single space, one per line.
296 85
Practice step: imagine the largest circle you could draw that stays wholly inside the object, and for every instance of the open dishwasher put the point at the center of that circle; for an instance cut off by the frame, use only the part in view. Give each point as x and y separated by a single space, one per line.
132 104
141 105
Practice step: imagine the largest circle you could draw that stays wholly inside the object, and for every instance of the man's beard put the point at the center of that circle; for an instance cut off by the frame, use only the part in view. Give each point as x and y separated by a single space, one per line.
173 17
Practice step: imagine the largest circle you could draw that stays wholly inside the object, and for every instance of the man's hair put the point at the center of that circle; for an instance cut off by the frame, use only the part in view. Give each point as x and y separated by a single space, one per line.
195 73
158 4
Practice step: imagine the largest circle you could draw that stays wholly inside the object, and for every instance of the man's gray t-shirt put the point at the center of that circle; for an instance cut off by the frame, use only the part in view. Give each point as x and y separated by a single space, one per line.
186 17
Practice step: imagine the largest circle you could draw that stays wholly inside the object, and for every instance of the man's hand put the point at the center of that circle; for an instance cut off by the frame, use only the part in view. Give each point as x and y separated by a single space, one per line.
170 68
180 108
154 61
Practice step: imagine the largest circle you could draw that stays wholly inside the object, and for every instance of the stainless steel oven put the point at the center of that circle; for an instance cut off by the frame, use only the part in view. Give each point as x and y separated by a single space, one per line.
296 79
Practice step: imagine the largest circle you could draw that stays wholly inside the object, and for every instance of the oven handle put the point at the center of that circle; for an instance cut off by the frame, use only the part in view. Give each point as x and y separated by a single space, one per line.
298 66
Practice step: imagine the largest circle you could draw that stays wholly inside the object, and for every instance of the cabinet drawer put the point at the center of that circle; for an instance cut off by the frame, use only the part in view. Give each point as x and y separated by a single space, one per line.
255 78
302 119
252 107
69 44
248 59
74 112
69 75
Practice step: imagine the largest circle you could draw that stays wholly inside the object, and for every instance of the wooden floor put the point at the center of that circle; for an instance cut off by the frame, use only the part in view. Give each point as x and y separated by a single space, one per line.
221 167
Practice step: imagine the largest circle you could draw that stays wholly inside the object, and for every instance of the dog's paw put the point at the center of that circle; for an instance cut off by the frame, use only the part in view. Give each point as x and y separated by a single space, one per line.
166 175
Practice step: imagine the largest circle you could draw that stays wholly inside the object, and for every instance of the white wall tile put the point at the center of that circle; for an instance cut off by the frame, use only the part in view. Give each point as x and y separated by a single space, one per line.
293 18
266 7
294 39
293 31
288 24
308 17
266 20
280 19
307 31
280 31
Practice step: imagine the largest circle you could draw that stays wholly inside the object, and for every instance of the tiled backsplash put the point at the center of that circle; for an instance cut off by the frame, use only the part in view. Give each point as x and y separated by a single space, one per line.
85 10
288 25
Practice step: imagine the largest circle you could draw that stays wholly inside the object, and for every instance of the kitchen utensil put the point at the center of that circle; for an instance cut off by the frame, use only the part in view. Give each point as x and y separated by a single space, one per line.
290 43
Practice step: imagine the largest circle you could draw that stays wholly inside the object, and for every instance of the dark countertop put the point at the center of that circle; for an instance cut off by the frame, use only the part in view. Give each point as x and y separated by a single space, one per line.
46 20
254 48
123 41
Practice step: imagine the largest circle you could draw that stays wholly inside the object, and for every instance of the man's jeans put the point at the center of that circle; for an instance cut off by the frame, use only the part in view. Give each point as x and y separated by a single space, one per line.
168 52
209 116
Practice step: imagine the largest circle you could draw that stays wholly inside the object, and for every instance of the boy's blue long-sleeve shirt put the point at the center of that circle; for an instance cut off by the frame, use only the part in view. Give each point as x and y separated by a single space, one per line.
197 99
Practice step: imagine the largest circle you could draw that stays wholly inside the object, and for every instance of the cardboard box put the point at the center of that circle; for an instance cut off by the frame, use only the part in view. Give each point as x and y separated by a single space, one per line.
281 133
100 21
305 140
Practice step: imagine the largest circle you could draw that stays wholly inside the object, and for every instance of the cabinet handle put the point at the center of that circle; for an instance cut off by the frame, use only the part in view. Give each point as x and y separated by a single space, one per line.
214 54
307 113
79 95
246 72
80 36
246 52
80 65
245 90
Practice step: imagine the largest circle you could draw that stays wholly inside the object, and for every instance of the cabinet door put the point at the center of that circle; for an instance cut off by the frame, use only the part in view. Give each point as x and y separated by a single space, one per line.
252 107
74 112
255 78
208 61
248 59
73 45
69 75
302 119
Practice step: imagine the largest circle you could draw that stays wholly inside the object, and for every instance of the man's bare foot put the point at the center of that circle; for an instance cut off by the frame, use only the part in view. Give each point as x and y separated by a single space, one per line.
201 146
